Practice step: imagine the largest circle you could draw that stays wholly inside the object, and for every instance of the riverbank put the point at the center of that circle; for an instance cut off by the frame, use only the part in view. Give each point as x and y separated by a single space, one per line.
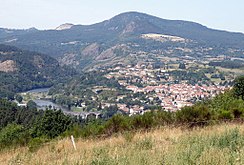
35 94
41 98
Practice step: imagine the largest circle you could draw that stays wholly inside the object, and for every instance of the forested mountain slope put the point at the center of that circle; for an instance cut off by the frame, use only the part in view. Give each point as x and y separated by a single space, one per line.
128 33
22 70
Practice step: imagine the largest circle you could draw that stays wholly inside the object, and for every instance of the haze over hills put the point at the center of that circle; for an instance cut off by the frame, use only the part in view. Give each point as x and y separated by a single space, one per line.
116 39
131 74
22 70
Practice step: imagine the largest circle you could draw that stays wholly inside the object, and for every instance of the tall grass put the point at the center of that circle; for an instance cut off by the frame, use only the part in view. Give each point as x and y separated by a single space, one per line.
218 144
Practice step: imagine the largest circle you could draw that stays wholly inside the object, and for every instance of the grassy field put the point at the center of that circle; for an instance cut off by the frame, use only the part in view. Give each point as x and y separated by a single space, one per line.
237 72
219 144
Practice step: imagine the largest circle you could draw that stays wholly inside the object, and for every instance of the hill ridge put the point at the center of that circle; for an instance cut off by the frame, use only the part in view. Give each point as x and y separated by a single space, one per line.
125 28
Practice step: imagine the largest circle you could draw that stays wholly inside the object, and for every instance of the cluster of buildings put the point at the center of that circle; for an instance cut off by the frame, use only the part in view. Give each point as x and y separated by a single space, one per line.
157 83
176 96
140 73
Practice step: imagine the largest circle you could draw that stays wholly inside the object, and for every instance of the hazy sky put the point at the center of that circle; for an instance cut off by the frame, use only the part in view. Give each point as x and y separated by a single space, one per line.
48 14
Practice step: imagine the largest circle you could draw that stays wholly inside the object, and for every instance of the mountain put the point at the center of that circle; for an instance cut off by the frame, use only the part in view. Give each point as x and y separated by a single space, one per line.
113 40
9 35
22 70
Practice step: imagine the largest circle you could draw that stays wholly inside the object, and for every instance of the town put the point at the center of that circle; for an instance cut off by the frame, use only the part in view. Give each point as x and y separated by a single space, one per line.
158 85
135 88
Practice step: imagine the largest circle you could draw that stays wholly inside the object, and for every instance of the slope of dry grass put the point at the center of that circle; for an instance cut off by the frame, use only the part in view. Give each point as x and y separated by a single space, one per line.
219 144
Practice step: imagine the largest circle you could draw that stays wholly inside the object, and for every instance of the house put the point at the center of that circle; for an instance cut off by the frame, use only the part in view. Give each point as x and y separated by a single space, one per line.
22 105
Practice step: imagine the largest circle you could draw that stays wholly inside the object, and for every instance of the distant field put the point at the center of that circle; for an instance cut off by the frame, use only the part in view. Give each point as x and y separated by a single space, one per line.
75 109
219 144
215 80
236 71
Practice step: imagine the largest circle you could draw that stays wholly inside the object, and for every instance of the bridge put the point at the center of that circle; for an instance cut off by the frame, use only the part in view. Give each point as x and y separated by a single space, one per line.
84 115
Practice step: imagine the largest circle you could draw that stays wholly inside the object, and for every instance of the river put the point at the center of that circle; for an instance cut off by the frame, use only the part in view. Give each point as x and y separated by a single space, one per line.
41 103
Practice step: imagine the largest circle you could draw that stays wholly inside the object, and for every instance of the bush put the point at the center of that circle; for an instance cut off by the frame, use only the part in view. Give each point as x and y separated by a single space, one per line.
13 135
226 115
75 130
164 117
36 143
118 123
144 121
92 129
198 113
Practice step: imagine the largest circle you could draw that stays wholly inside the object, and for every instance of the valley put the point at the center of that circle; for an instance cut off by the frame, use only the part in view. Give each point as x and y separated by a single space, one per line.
129 64
136 89
133 89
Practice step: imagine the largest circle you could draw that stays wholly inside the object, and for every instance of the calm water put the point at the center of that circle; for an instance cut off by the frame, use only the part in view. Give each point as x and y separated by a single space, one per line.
39 90
42 104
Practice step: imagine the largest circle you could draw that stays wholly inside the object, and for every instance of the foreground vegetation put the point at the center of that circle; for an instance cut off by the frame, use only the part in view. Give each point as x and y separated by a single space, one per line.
218 144
30 127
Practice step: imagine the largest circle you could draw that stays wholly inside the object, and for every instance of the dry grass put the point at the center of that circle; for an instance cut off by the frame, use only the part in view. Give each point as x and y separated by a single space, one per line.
219 144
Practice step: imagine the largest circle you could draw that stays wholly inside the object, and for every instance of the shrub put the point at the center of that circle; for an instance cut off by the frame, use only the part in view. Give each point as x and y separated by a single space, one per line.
92 129
144 121
13 135
118 123
198 113
224 114
75 130
36 143
163 117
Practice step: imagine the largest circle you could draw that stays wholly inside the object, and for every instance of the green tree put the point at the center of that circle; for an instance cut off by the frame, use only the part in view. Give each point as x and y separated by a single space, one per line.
182 66
19 98
13 134
31 104
239 87
52 124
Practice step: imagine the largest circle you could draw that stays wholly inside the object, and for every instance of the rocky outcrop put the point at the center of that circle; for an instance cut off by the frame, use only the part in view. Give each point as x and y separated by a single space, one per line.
92 50
65 26
8 66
